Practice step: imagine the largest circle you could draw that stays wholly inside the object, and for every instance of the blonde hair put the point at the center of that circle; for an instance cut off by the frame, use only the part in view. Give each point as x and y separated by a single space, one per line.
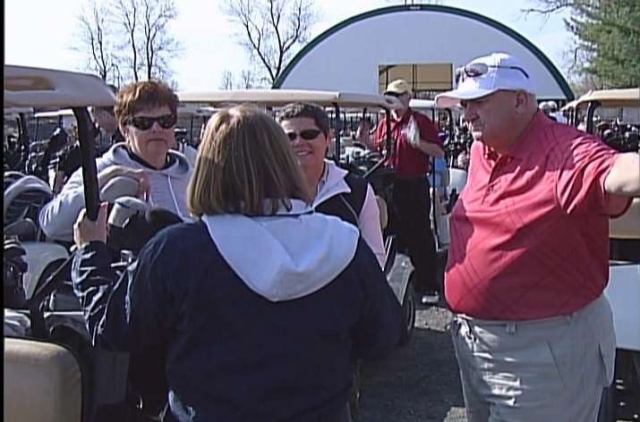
244 166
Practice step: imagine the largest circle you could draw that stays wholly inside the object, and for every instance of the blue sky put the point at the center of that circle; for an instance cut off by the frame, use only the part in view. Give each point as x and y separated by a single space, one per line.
41 33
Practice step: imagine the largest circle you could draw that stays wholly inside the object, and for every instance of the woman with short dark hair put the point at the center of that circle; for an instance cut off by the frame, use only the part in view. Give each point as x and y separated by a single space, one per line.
334 190
147 114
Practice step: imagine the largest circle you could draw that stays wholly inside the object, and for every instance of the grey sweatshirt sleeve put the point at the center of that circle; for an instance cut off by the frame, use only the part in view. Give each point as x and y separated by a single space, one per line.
60 214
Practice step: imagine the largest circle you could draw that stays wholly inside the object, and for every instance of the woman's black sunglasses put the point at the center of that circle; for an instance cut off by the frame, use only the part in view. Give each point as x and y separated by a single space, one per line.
166 121
307 134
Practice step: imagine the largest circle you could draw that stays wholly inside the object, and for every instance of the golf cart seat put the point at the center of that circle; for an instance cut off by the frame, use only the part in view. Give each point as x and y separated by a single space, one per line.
16 324
42 382
24 198
10 177
384 215
25 230
628 225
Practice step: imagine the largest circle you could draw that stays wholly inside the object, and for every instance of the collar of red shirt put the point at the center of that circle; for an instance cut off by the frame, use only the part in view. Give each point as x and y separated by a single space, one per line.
404 118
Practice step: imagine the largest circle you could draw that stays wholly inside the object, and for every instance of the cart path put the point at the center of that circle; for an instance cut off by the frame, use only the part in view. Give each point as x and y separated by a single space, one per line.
420 381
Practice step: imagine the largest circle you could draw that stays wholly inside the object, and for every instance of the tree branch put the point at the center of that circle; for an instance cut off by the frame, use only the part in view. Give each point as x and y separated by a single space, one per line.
270 29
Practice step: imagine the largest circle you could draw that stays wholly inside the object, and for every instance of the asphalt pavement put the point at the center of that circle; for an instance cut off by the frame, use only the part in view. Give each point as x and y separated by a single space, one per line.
420 382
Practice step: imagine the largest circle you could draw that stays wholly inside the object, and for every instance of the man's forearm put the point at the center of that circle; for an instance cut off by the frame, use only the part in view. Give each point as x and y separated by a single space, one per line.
429 148
624 177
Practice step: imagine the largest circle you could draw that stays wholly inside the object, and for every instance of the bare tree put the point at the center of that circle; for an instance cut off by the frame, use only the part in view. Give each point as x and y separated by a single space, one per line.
248 79
146 45
95 44
159 46
125 13
270 30
226 82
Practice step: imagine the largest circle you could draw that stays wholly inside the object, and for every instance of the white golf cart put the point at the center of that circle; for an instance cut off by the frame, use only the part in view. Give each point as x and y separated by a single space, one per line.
28 89
51 371
398 267
190 120
623 290
453 179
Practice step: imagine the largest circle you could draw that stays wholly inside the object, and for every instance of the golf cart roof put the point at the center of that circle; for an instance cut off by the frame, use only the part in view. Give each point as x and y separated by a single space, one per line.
65 112
48 88
281 97
17 110
422 104
629 97
571 105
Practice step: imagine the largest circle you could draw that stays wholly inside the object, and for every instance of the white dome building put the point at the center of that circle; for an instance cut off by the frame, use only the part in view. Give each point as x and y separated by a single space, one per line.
423 44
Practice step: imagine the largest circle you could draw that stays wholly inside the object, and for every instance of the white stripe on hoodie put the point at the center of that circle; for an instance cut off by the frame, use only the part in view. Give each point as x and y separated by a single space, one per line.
168 189
293 254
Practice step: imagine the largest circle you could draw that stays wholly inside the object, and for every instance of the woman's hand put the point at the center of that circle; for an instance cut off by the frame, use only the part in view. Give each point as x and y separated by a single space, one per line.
138 174
85 230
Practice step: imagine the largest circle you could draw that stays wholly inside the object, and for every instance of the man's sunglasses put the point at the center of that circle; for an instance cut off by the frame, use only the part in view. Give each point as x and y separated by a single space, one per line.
473 70
166 121
307 134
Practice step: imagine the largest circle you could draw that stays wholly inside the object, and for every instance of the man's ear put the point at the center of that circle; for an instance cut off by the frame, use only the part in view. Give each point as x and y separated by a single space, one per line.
522 101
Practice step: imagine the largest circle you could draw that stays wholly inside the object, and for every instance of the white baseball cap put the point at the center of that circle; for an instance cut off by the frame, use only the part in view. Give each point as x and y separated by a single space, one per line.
486 75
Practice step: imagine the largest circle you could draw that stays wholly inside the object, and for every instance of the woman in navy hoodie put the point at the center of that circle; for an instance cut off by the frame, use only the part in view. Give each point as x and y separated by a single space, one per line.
258 310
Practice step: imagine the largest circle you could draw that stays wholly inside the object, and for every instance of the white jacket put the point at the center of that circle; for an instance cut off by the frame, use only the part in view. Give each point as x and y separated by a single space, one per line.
369 218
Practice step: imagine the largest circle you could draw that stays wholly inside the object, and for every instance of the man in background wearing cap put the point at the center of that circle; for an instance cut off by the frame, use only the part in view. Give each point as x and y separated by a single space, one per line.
415 140
528 260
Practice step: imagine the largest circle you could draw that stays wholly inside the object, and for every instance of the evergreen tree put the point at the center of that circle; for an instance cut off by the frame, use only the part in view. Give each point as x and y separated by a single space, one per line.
607 38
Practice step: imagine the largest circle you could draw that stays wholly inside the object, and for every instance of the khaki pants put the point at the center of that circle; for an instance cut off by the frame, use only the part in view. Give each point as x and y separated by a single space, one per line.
550 370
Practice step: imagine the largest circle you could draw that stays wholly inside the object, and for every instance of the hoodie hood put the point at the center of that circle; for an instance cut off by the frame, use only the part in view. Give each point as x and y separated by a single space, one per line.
119 155
168 187
291 254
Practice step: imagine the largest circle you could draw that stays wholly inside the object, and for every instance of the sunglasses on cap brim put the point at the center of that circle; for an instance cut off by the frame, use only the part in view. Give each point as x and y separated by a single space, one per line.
166 121
307 134
474 70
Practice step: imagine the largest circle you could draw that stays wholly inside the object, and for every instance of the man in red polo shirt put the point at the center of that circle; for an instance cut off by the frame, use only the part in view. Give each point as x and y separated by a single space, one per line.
415 140
528 260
